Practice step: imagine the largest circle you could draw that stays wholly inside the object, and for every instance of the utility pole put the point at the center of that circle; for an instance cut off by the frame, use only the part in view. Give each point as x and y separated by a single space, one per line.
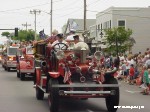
84 15
35 12
51 17
26 25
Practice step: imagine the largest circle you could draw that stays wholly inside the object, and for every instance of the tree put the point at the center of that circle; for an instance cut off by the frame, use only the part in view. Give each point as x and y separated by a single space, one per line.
24 35
118 39
130 43
7 34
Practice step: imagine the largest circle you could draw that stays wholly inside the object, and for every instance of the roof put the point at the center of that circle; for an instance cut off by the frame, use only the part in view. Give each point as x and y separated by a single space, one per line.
121 9
78 24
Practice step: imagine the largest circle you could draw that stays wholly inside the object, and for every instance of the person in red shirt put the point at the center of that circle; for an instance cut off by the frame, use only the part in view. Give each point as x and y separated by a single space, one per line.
131 74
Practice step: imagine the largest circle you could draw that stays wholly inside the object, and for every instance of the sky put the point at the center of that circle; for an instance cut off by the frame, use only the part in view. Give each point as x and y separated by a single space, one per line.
15 13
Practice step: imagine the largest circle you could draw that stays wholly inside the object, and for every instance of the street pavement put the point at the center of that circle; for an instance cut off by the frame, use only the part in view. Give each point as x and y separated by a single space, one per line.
19 96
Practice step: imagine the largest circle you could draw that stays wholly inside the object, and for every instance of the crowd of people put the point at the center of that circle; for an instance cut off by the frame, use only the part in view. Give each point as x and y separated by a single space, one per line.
134 69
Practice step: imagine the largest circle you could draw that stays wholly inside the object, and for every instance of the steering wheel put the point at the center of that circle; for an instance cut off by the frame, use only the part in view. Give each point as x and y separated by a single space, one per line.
60 46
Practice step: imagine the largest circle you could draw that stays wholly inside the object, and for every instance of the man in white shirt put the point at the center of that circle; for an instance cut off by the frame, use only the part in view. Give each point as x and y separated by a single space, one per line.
71 34
80 44
70 37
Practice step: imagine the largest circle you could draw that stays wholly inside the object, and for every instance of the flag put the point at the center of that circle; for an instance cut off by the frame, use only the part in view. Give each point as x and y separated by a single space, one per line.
67 75
42 34
101 78
73 25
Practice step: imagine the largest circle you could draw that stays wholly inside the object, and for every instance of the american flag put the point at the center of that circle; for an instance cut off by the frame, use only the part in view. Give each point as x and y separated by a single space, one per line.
102 78
67 74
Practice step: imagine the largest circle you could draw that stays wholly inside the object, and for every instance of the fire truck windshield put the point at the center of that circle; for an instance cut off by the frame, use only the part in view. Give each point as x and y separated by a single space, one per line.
12 51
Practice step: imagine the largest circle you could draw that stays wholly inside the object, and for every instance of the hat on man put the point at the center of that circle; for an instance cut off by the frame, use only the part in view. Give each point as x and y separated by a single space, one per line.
60 35
76 36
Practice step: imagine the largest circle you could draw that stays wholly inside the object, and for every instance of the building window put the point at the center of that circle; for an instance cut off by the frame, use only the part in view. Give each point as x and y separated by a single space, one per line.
98 26
121 23
106 24
110 23
101 26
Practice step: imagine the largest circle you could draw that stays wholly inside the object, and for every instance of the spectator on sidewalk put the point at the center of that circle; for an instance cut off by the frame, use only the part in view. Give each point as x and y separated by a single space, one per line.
146 81
128 64
124 70
147 63
131 74
141 76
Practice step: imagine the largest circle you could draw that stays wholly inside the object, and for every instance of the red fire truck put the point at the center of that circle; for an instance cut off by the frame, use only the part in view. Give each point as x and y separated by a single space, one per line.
25 63
71 73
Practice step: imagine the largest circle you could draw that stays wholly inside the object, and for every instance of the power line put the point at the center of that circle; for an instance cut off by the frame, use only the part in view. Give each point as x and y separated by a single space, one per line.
57 1
93 3
67 5
93 11
24 7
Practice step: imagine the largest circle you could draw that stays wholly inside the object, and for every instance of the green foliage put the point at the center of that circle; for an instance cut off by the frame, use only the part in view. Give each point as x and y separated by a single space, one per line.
24 35
119 35
7 34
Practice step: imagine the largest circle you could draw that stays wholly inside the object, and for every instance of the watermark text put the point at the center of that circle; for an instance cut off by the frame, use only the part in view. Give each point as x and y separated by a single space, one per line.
130 107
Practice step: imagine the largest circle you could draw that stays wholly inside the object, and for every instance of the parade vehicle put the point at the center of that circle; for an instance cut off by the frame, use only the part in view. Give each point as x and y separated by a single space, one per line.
2 59
71 73
25 63
9 58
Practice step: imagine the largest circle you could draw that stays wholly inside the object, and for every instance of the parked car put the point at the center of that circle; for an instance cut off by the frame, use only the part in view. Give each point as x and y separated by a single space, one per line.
9 58
64 73
25 63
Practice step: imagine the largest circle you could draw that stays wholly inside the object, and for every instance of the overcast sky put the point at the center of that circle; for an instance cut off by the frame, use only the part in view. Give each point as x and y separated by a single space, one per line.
14 13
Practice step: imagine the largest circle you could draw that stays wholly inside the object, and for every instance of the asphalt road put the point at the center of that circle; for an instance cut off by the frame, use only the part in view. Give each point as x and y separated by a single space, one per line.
19 96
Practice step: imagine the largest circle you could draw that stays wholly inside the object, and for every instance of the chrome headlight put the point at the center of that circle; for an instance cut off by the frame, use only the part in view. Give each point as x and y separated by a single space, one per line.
98 55
10 58
60 55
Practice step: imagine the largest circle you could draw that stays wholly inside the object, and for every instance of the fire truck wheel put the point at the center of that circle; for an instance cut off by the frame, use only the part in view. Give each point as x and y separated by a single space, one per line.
39 94
18 74
53 97
5 68
22 76
8 69
112 100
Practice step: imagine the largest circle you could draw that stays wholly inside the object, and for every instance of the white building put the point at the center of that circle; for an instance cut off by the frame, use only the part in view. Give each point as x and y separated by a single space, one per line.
137 19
